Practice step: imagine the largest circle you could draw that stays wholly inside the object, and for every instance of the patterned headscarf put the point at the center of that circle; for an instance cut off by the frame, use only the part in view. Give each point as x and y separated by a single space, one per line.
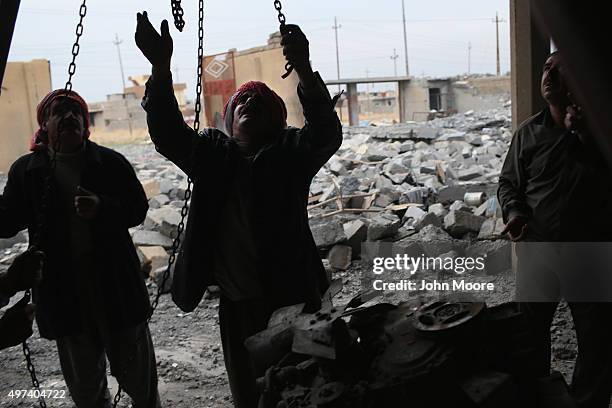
39 139
272 101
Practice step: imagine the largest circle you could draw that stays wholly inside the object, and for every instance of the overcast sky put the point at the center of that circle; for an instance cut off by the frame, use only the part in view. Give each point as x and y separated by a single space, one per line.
438 34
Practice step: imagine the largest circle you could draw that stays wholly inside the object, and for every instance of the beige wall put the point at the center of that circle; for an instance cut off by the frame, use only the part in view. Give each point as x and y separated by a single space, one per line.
24 85
481 93
267 66
417 101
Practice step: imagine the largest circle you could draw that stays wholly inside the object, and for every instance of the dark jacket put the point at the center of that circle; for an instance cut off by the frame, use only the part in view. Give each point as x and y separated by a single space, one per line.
120 293
558 183
288 263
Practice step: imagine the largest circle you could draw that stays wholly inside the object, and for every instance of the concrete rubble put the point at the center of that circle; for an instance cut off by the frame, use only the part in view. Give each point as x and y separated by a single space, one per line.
385 183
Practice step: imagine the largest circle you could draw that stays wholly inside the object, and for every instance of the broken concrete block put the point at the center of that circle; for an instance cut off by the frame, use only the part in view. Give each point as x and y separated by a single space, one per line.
339 257
151 187
491 228
356 232
428 169
327 232
425 132
382 201
395 166
413 215
158 201
428 219
151 238
458 223
336 166
349 185
438 209
398 178
469 174
460 206
164 220
158 276
155 255
383 225
450 194
165 186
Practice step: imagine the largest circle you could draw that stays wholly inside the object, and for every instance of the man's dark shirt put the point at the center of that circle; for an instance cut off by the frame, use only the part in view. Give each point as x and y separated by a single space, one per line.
120 292
286 263
560 184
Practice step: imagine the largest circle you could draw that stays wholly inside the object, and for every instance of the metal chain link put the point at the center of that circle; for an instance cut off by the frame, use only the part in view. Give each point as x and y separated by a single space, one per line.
176 243
44 207
76 46
282 20
177 13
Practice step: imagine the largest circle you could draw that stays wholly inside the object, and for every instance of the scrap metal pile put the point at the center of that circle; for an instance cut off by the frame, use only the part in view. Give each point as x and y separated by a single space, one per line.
442 354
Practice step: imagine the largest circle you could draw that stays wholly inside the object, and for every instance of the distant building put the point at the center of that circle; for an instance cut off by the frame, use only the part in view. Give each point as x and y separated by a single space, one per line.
223 73
25 84
123 111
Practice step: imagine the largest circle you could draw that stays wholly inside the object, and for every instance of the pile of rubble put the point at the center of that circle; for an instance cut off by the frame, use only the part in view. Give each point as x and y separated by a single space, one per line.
390 182
385 183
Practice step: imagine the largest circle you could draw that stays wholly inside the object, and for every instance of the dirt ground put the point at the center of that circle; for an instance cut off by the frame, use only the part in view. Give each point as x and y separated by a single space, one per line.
189 355
188 347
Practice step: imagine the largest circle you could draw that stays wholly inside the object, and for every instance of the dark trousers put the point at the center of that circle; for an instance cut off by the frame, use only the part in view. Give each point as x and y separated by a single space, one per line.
238 321
83 362
591 385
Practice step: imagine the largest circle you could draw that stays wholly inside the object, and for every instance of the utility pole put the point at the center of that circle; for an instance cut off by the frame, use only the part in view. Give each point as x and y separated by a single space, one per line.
497 21
367 72
335 27
176 72
405 41
127 112
394 58
469 58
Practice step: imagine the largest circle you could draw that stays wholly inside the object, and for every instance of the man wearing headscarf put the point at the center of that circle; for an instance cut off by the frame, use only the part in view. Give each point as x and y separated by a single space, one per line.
77 199
248 229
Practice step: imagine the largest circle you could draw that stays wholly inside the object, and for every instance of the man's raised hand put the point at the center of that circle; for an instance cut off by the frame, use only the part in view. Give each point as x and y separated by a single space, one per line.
295 46
155 47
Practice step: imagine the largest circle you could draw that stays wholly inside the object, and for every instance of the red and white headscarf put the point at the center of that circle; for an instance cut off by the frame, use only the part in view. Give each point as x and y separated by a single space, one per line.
39 139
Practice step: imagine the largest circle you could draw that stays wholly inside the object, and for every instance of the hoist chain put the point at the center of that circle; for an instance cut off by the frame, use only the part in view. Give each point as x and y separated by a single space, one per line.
76 46
177 13
282 20
176 243
46 196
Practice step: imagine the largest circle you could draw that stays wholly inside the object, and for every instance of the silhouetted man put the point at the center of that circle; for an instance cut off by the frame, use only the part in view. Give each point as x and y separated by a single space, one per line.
248 226
556 197
92 299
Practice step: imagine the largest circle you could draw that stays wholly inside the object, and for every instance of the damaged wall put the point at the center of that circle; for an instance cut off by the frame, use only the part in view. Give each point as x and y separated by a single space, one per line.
25 84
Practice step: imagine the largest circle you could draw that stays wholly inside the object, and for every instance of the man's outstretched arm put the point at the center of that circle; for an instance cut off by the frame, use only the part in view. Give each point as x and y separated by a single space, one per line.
172 136
321 135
